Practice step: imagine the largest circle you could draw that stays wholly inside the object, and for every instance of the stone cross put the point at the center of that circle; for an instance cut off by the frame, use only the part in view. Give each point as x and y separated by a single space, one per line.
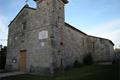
26 1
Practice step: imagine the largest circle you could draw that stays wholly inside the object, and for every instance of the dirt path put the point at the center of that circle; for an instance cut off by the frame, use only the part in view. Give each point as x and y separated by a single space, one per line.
10 74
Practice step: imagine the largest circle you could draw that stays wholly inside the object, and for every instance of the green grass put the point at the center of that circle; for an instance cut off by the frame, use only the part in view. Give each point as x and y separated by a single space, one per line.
93 72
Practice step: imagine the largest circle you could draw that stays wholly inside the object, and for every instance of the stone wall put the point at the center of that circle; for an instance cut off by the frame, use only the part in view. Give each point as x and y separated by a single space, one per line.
49 41
31 39
78 44
38 32
100 48
74 45
38 43
16 38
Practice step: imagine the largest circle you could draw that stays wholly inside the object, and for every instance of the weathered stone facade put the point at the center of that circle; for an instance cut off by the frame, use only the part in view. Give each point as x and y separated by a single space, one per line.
100 48
48 42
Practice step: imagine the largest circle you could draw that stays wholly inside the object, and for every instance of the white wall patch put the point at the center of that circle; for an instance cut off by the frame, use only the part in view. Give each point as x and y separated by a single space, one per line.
43 35
42 44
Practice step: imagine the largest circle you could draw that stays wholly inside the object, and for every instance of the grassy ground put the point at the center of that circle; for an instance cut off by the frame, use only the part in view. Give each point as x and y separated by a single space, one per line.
93 72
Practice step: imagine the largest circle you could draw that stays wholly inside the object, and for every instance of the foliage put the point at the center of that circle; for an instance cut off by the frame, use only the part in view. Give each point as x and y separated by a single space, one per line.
77 64
88 59
3 57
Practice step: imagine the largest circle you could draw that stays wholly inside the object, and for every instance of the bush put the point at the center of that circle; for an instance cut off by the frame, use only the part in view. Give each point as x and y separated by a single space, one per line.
115 61
77 64
88 60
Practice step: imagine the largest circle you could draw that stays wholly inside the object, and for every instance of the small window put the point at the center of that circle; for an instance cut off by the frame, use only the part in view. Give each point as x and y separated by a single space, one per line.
23 25
61 43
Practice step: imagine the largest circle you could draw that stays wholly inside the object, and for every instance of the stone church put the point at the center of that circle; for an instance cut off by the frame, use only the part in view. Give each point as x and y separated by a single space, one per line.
39 40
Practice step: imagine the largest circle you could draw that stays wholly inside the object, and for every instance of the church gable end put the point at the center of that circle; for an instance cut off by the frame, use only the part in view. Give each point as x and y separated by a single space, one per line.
39 40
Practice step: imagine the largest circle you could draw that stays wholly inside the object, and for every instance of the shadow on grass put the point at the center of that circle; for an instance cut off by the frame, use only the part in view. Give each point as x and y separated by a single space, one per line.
92 72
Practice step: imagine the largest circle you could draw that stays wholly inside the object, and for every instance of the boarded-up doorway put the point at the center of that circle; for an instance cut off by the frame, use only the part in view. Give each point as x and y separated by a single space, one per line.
22 60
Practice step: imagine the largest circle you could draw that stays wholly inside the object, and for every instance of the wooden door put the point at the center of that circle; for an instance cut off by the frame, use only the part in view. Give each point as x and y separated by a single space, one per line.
22 60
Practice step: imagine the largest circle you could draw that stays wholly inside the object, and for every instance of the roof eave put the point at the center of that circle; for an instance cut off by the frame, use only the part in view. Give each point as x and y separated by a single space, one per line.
26 6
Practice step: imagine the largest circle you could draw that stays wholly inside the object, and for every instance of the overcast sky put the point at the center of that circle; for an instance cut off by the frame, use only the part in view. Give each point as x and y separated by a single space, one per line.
95 17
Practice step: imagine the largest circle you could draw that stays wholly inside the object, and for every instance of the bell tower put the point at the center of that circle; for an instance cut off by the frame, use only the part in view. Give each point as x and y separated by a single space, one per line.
52 11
